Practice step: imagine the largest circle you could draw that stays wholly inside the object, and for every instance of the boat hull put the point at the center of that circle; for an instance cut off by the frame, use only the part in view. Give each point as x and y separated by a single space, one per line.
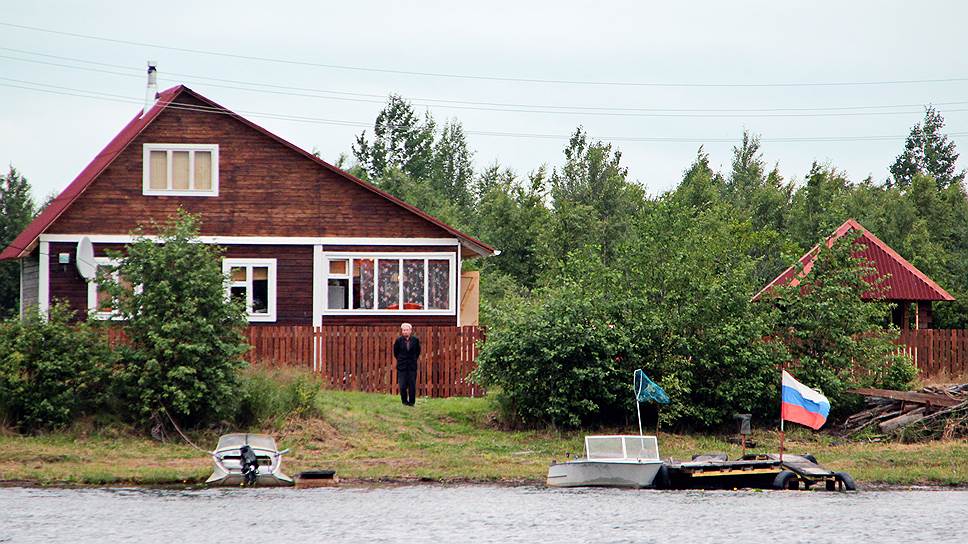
234 479
585 473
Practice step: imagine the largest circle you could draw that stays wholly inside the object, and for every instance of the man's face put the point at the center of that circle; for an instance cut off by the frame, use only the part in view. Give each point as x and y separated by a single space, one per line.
406 330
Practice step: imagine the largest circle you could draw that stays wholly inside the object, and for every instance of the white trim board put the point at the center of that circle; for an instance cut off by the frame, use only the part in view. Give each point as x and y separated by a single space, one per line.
263 240
43 278
321 278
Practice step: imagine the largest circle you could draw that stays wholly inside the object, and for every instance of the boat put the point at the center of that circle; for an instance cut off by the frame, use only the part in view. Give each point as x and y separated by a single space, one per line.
610 461
758 471
248 459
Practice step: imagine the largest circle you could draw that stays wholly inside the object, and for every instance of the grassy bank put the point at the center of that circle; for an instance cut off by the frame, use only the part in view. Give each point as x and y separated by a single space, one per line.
373 438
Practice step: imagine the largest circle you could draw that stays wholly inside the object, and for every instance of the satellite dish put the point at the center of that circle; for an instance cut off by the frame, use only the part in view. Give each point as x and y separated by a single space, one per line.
86 264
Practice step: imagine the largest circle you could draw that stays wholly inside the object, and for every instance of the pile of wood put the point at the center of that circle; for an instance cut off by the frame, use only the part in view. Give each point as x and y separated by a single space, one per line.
936 412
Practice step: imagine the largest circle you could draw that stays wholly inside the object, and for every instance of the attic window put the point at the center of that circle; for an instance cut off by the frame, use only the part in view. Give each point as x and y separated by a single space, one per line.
180 169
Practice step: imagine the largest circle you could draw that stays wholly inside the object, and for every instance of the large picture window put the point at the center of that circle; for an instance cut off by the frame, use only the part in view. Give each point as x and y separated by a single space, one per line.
180 169
388 283
253 283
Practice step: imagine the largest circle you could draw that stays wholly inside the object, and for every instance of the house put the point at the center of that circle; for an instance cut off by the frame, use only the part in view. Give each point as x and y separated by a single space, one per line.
305 242
905 284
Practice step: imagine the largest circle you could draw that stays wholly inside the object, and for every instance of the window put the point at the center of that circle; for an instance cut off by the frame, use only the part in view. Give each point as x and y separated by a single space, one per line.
180 169
390 283
99 302
338 287
253 282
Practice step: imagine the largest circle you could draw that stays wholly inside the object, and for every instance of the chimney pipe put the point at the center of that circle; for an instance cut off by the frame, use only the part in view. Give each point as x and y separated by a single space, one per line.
151 93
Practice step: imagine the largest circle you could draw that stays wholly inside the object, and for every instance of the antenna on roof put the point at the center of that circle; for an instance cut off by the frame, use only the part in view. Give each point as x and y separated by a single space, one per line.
151 93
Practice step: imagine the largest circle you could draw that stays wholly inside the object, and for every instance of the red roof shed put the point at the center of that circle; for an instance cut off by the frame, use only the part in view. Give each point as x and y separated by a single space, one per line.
904 282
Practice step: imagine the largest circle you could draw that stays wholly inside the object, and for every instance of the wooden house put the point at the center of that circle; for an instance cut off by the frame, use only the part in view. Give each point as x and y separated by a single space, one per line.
905 285
305 242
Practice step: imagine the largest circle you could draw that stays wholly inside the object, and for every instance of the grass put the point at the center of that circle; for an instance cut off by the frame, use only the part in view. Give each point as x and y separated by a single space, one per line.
372 437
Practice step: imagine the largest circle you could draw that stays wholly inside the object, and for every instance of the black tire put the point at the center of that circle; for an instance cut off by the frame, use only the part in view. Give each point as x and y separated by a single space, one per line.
849 484
786 480
662 479
810 457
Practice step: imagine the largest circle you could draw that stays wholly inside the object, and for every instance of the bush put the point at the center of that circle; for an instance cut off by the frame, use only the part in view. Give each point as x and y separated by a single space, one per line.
268 398
558 362
185 337
674 302
51 371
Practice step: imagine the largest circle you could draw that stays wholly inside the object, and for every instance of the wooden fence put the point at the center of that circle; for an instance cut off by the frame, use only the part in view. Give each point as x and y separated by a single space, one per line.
360 358
940 354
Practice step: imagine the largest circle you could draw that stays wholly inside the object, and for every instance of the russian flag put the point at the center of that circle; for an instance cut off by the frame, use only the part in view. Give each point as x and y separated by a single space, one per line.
803 405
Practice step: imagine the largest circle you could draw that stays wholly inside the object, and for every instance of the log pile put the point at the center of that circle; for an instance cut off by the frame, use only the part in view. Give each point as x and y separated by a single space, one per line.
935 412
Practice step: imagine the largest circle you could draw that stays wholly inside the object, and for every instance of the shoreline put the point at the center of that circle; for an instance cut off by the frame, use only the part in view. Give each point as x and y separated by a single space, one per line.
391 483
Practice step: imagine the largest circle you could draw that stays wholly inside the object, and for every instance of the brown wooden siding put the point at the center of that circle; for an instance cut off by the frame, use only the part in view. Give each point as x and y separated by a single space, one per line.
265 189
294 279
66 283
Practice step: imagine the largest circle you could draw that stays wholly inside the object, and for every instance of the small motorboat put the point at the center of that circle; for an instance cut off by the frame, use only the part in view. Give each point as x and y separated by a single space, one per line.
248 459
610 461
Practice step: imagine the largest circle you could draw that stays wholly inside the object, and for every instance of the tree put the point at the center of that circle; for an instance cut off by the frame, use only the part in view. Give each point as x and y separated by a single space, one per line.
700 187
748 171
836 339
185 335
927 150
401 140
453 172
593 202
16 212
512 217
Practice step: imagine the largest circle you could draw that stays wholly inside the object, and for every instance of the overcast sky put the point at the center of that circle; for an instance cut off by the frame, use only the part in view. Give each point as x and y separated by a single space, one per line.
716 49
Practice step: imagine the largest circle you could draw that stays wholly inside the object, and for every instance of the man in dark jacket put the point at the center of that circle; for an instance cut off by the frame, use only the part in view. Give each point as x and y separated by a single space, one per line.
406 350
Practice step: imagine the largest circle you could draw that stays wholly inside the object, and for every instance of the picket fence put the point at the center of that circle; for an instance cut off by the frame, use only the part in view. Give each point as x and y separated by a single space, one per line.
939 354
360 358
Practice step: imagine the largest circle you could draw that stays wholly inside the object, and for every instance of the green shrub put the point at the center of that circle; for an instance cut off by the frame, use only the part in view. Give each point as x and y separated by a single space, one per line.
51 371
185 337
269 397
675 302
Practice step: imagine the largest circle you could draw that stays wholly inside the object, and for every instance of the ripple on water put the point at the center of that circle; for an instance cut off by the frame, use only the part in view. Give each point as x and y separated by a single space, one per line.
452 514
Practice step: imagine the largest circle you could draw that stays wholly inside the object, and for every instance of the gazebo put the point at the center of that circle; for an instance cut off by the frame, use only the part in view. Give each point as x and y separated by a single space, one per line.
905 284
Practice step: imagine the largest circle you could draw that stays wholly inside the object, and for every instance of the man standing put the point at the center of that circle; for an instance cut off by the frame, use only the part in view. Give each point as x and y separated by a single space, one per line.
407 350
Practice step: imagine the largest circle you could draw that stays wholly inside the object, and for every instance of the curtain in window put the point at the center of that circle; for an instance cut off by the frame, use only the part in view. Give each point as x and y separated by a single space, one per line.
158 171
203 170
438 284
179 170
363 284
413 284
388 293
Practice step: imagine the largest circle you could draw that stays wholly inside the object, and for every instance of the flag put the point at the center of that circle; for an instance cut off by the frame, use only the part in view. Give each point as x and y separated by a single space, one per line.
802 405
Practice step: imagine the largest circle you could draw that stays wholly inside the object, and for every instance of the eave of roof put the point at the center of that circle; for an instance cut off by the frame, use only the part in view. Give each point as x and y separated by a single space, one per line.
792 277
23 244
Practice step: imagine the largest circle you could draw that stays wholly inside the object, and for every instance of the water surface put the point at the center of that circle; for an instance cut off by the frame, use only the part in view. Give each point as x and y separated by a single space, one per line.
452 514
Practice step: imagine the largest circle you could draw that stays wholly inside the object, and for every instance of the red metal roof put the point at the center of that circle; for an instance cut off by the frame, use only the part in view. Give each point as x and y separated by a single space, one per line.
24 243
905 282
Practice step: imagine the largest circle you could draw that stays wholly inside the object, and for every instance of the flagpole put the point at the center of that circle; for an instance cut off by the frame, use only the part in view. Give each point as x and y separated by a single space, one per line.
781 415
638 410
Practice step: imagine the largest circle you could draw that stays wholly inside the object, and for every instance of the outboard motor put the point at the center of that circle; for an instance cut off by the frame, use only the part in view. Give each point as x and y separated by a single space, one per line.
250 465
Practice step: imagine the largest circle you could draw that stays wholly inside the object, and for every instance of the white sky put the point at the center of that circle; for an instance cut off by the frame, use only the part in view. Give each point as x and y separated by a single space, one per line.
51 137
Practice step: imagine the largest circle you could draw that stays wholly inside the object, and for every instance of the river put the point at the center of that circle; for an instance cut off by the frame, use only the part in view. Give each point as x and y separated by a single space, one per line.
491 514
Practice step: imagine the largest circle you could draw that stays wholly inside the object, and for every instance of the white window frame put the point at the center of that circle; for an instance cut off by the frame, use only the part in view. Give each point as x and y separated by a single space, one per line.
146 169
248 264
399 256
92 288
